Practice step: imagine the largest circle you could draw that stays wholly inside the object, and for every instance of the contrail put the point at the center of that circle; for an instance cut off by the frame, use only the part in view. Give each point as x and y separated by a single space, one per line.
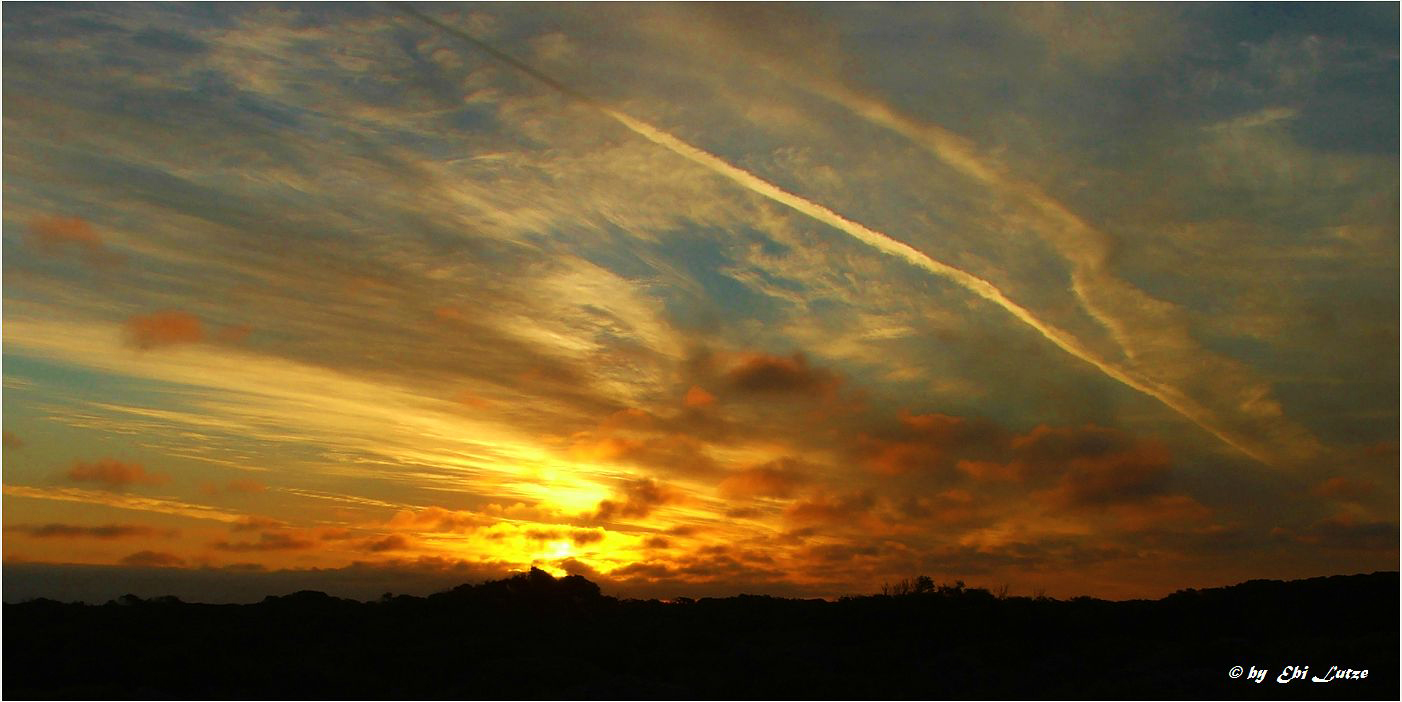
1141 325
1170 397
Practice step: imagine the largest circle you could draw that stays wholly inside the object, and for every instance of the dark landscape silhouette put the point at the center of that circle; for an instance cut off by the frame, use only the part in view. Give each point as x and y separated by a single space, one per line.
535 636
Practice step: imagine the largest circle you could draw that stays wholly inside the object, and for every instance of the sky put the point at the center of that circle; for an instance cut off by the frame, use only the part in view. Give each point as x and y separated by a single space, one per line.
698 299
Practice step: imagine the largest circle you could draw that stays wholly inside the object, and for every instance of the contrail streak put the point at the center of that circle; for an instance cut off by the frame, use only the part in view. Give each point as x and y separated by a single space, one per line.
1065 341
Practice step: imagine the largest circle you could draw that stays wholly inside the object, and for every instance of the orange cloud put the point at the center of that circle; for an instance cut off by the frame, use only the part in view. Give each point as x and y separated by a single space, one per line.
254 523
437 519
776 478
470 399
114 473
1344 488
824 509
165 328
153 559
698 397
760 373
922 443
1129 475
393 542
448 313
988 471
675 451
640 498
1163 510
58 236
246 486
1346 532
234 333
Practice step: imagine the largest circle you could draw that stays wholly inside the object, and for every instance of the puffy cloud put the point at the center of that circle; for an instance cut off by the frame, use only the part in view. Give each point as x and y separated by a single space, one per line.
165 328
114 474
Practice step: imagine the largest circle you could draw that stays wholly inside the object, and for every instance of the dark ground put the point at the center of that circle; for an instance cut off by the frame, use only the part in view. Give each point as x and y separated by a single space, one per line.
533 636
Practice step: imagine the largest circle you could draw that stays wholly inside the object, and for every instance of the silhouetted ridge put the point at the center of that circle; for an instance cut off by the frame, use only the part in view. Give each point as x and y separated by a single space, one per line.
535 586
536 636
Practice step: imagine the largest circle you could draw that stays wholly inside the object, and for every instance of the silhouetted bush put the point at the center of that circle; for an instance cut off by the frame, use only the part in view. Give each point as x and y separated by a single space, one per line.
535 636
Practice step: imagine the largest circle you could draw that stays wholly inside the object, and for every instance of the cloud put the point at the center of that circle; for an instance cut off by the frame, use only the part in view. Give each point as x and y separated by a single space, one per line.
1344 488
255 523
586 536
266 542
831 510
245 486
640 497
1267 116
439 520
1157 355
759 373
698 397
393 542
924 443
57 236
123 501
114 474
744 513
1171 513
1346 532
655 450
71 531
1091 465
233 333
153 559
165 328
778 478
12 442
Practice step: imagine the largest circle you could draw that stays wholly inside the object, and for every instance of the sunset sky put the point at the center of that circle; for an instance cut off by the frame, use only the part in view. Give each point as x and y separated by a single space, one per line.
788 299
